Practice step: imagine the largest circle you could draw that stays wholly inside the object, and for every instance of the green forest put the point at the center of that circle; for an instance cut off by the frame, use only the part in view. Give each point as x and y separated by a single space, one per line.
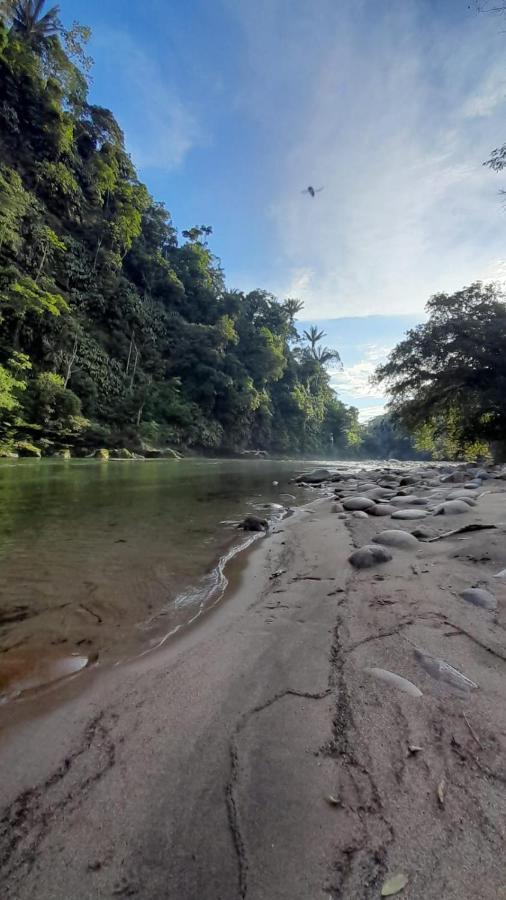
115 331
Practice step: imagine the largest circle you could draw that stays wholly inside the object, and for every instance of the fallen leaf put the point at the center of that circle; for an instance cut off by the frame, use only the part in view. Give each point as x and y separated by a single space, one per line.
414 749
441 792
332 801
277 574
394 885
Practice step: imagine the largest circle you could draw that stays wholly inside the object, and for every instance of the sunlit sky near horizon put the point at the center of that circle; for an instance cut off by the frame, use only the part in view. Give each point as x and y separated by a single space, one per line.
231 108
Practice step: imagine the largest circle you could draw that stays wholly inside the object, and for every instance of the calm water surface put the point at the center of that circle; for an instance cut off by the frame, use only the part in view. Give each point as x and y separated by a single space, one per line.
106 558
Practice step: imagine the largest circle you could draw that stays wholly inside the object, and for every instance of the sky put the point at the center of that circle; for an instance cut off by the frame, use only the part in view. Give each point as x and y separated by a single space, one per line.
231 108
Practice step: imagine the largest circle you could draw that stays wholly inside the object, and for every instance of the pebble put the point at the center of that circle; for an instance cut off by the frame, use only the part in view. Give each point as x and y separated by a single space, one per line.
369 556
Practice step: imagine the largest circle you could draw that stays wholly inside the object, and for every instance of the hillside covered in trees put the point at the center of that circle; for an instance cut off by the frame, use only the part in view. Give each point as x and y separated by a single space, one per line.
113 331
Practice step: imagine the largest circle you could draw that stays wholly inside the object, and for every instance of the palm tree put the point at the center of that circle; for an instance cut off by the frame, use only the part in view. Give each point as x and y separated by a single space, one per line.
28 20
325 355
314 336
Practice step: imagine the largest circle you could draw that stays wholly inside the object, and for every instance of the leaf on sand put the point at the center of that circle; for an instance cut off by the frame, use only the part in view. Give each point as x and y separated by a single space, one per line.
394 885
332 801
441 792
414 749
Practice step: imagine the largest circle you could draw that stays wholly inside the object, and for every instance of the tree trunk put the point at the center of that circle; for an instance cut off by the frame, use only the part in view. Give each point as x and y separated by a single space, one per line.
71 362
43 260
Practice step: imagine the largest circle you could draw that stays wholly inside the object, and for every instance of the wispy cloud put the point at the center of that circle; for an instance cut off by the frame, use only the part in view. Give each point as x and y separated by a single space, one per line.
160 127
393 111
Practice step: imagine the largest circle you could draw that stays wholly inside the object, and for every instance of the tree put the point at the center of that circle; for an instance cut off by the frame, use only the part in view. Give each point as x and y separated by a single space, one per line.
450 372
29 20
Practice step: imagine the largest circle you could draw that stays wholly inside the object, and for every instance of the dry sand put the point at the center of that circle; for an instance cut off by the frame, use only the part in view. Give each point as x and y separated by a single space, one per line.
255 757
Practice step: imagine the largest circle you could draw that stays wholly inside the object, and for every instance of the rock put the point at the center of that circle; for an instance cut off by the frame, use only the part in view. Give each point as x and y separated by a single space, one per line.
317 476
409 514
369 556
409 500
479 597
169 453
342 516
422 534
336 508
401 540
458 477
254 523
121 453
8 454
380 493
396 681
358 503
101 454
28 450
359 514
451 508
62 454
381 509
151 453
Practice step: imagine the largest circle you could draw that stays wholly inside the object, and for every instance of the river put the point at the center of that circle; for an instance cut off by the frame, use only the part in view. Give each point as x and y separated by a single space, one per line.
101 561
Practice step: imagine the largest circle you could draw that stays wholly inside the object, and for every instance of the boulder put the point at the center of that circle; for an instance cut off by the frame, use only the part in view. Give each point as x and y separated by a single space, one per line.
479 597
359 514
169 453
458 477
254 523
369 556
102 454
451 508
401 540
121 453
381 509
317 476
358 503
409 514
8 454
25 449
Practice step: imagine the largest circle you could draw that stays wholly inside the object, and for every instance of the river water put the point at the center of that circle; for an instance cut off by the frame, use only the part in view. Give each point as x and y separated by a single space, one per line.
99 561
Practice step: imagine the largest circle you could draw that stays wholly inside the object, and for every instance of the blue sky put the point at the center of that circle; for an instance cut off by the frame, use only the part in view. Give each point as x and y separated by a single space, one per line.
230 108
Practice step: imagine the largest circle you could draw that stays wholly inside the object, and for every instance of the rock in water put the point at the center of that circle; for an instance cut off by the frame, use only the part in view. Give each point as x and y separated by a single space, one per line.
314 477
396 681
410 514
479 597
254 523
360 503
451 508
369 556
401 540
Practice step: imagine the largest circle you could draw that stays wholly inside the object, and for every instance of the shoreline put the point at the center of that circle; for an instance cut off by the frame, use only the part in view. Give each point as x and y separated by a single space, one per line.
218 752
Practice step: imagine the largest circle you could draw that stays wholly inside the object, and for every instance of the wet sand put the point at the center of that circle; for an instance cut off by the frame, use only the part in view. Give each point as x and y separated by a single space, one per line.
255 756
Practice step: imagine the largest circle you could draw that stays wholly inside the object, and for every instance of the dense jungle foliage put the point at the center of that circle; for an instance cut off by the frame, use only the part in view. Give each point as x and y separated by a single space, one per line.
113 332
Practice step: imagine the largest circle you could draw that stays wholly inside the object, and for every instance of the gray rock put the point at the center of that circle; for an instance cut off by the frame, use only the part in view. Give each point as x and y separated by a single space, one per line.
479 597
360 503
254 523
359 514
410 514
396 681
336 508
451 508
401 540
381 509
368 556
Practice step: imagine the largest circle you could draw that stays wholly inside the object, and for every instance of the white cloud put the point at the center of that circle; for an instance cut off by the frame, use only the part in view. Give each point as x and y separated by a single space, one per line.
160 128
370 412
393 112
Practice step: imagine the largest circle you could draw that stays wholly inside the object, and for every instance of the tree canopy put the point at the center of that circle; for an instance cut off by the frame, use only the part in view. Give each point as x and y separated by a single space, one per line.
112 329
447 379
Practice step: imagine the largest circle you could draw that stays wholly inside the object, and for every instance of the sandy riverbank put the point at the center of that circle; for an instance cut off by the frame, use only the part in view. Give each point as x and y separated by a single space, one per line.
205 770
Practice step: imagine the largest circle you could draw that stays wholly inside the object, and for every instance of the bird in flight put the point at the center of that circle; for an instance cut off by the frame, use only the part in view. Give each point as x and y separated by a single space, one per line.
312 191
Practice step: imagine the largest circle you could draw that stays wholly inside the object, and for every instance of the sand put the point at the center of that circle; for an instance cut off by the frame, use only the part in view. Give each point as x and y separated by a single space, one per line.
257 757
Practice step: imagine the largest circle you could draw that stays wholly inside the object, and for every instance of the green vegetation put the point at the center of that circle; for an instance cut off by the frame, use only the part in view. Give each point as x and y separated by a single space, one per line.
447 379
112 332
